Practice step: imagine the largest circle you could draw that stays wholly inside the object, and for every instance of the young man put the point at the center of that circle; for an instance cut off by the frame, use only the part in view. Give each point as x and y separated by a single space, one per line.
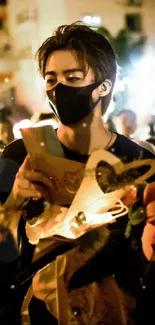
126 122
79 68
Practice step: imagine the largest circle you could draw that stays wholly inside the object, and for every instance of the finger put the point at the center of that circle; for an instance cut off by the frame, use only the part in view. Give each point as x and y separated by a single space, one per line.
43 191
149 193
33 176
35 198
23 184
25 194
150 209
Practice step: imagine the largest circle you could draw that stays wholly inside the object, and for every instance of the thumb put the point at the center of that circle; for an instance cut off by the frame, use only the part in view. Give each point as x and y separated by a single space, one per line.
149 193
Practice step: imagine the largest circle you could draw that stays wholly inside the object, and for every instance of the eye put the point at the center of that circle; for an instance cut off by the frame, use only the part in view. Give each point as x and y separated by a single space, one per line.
72 79
50 81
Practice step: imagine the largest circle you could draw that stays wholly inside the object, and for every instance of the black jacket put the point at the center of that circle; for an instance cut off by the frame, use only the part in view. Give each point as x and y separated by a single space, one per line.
128 267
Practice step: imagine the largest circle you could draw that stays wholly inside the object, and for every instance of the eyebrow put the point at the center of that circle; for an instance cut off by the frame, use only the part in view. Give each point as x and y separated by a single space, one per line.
64 71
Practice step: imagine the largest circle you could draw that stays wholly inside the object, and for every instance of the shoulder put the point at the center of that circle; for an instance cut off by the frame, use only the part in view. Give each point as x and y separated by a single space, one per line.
130 150
15 151
10 161
147 145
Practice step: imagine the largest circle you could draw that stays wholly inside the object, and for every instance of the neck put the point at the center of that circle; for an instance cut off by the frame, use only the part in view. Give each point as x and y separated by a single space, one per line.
85 137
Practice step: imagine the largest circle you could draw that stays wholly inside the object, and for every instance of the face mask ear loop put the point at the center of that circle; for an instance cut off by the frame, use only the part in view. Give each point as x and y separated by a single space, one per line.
98 100
94 104
52 106
54 110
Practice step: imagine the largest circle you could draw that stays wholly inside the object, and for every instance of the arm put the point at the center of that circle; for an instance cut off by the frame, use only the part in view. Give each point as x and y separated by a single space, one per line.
11 159
11 261
25 186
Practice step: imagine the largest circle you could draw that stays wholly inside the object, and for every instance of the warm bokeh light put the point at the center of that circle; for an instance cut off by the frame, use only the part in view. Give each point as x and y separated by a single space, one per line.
23 124
92 20
6 80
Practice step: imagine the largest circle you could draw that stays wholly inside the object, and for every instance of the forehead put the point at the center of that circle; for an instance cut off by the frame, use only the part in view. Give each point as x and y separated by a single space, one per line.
127 116
63 60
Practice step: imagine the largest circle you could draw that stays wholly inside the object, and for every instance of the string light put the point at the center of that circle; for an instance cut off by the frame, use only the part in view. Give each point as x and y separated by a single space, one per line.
92 20
6 80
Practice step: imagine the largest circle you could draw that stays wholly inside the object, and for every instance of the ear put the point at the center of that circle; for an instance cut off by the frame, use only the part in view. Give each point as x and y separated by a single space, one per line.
105 87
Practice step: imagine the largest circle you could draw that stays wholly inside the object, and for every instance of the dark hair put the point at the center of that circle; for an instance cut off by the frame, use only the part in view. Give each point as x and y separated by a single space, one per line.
89 45
128 112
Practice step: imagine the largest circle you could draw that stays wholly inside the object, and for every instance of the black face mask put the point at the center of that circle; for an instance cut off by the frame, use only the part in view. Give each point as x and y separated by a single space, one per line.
73 103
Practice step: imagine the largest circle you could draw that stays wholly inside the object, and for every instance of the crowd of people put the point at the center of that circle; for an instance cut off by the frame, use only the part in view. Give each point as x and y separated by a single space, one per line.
115 283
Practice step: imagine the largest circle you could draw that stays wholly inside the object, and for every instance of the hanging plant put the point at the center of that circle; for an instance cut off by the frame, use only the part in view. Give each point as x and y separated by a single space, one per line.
104 31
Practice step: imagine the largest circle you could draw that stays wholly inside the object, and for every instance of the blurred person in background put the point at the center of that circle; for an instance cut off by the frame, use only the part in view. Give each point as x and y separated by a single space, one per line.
79 67
151 138
6 133
6 127
126 123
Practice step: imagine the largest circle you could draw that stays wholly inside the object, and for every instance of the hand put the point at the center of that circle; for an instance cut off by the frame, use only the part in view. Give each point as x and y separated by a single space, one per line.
29 183
148 237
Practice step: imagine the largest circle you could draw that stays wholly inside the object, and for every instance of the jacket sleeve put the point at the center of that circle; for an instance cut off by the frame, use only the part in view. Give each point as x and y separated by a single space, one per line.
12 261
10 161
